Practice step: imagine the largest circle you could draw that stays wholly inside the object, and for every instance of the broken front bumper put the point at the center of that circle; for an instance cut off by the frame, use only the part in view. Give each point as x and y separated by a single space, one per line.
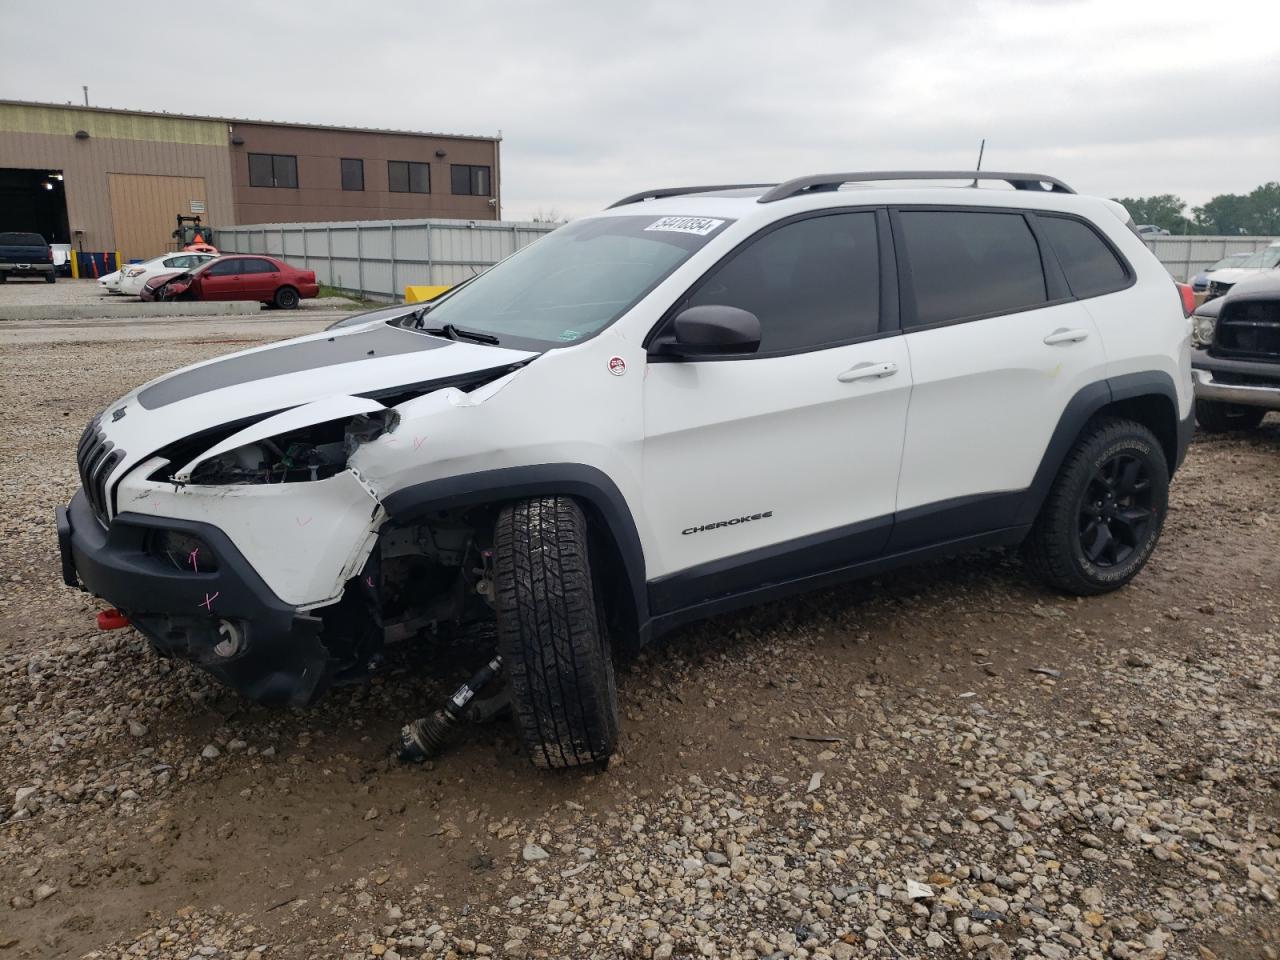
218 614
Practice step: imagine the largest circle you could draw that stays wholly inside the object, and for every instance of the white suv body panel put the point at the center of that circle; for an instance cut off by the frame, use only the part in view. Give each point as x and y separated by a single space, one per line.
777 435
970 411
986 396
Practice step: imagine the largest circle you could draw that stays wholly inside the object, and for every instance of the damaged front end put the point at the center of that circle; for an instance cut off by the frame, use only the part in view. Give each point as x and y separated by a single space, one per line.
257 550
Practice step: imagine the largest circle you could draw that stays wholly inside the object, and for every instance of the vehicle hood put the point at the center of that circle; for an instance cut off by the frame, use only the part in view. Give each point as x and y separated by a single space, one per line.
1263 283
379 361
1236 274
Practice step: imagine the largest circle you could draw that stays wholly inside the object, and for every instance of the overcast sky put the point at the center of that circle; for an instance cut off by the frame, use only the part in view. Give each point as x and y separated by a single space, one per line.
599 99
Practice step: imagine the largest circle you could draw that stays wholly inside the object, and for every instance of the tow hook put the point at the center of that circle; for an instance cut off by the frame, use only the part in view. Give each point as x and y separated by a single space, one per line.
112 619
427 737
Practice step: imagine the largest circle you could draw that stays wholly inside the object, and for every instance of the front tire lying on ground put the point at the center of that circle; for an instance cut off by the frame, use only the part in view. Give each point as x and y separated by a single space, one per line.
551 634
1103 515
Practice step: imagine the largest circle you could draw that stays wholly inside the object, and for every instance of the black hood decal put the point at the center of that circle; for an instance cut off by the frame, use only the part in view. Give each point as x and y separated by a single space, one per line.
380 341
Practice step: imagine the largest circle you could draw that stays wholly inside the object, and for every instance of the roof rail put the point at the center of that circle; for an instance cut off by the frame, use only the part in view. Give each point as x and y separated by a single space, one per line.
833 181
681 191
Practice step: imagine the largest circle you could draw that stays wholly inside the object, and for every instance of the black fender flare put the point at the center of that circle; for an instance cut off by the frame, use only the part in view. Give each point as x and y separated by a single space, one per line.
588 484
1087 402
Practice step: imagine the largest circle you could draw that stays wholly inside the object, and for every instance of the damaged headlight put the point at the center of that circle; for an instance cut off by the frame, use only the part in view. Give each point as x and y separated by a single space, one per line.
310 453
1202 330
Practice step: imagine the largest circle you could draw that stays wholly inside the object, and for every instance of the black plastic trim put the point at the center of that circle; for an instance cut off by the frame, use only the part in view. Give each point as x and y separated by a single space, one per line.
787 586
577 480
817 183
179 610
766 566
663 192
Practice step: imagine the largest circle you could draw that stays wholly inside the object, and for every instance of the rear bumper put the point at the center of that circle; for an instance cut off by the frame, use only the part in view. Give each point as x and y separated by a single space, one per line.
1245 382
187 613
26 269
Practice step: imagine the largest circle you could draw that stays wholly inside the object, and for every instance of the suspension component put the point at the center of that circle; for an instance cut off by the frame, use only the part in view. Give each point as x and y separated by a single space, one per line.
427 736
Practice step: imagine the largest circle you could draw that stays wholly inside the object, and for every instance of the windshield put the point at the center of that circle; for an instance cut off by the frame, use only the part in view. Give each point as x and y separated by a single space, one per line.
574 282
1232 260
1268 257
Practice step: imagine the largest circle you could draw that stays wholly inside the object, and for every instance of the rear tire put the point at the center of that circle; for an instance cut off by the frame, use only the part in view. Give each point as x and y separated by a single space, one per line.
286 298
50 278
551 634
1217 417
1103 515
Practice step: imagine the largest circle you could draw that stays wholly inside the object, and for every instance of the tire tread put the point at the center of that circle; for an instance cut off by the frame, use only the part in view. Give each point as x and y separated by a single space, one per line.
549 634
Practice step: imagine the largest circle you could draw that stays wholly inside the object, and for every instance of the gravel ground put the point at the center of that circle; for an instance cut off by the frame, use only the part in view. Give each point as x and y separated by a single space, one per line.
947 762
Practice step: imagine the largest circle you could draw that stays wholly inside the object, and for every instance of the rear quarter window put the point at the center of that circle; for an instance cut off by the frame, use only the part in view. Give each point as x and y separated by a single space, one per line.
1091 266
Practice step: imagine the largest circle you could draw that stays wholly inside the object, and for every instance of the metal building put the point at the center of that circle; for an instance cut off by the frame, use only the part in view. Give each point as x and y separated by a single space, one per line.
104 179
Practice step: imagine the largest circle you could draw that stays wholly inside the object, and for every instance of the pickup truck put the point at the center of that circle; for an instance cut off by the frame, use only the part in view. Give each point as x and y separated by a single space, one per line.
1235 356
26 255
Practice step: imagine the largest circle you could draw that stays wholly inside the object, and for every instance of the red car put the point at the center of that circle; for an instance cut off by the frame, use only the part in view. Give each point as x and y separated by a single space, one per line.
233 277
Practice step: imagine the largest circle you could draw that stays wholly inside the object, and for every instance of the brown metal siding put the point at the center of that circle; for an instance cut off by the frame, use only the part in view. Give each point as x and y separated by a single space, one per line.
85 165
320 196
144 207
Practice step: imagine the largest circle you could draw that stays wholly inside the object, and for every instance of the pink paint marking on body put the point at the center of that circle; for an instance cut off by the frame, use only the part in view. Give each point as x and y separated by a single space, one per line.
207 602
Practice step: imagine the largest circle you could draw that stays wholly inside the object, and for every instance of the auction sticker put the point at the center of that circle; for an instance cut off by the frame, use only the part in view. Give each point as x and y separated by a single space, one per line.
698 226
617 366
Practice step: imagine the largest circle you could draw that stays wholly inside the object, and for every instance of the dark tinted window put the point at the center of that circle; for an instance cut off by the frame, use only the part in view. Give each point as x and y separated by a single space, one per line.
469 180
273 170
352 174
226 268
21 240
407 177
257 266
260 170
970 264
1090 265
811 282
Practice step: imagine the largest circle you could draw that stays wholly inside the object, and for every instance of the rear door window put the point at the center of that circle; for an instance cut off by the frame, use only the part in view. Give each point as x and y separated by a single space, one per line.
968 264
258 266
1091 266
812 283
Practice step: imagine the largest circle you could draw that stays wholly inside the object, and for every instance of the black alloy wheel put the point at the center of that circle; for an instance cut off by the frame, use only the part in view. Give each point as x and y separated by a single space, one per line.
1116 510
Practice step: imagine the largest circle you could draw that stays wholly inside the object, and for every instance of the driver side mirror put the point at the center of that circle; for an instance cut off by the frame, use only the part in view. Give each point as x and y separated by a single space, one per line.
710 330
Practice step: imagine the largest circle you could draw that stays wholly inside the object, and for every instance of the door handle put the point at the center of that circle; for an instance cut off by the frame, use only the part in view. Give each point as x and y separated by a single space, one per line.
1063 335
868 371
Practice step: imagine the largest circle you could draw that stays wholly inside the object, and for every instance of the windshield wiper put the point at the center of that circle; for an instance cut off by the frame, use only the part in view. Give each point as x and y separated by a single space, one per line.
457 333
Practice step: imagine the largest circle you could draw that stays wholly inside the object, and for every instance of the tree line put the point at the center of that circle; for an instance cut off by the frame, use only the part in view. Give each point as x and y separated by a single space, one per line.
1256 213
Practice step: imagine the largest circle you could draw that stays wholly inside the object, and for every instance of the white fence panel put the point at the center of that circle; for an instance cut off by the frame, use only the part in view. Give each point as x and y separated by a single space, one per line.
379 258
1184 257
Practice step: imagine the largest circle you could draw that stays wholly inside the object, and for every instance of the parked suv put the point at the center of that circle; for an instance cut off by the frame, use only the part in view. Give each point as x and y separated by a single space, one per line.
1236 355
698 399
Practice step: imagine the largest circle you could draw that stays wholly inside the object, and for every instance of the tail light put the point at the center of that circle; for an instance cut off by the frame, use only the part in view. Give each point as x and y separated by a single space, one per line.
311 276
1188 298
50 252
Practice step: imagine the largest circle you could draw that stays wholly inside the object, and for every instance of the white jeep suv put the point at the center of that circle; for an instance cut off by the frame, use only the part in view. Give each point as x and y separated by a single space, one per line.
698 399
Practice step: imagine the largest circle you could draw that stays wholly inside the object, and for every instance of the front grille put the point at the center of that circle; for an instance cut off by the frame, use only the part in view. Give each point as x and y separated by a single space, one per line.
96 457
1249 330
